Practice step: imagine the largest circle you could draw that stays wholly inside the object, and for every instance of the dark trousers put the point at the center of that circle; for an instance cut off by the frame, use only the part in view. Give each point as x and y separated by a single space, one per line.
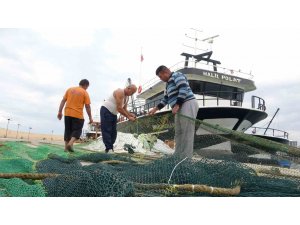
108 127
73 127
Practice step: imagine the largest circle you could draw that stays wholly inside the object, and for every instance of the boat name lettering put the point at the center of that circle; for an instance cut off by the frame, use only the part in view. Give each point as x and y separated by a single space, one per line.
231 79
222 77
214 75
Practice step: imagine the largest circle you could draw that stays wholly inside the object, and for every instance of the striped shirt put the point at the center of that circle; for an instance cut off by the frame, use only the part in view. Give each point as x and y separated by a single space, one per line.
177 91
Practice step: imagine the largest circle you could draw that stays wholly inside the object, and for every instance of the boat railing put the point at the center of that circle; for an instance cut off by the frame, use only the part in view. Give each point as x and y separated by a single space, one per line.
204 99
199 65
270 132
202 65
258 103
150 83
142 110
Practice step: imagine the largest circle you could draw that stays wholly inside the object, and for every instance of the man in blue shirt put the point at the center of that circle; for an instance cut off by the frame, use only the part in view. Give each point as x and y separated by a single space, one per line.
180 97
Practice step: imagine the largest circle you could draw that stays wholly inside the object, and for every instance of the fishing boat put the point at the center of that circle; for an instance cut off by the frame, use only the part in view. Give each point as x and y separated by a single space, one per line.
219 91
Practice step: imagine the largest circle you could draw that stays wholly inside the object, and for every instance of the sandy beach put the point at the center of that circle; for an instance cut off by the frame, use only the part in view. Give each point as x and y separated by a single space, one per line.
33 136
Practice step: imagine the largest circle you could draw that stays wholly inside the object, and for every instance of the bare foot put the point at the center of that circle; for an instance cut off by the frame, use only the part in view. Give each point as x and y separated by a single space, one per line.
69 148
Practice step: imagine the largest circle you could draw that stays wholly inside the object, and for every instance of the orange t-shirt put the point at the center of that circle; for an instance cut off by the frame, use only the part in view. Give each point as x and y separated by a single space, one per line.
76 98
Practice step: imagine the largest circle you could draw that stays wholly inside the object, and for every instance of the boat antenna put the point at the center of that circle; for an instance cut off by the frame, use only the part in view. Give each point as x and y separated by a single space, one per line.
210 40
196 39
271 121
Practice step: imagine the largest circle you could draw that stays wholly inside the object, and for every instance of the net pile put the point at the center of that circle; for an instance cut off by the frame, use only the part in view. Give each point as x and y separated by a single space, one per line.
21 157
225 163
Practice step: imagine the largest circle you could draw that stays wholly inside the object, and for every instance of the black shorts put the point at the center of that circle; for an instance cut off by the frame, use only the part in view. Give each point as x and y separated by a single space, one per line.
73 127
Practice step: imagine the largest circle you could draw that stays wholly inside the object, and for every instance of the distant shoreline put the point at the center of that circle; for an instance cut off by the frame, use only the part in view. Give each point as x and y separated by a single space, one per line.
33 136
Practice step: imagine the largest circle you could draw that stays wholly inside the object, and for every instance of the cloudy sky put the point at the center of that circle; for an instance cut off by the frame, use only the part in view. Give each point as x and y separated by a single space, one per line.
102 40
38 64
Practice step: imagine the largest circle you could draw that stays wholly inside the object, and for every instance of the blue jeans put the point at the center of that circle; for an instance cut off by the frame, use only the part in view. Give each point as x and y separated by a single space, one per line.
108 127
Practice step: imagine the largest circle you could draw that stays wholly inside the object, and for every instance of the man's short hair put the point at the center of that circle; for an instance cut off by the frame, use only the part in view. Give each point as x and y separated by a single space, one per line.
161 68
132 86
84 82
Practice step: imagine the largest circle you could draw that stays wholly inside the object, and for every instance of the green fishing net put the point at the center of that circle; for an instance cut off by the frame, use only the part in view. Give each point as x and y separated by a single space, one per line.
143 164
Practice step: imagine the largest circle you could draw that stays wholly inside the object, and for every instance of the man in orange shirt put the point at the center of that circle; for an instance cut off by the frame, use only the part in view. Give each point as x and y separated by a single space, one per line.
76 98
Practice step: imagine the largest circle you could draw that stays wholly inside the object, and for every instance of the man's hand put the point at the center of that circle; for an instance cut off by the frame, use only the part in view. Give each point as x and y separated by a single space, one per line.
153 111
175 109
132 115
131 118
91 121
59 115
61 106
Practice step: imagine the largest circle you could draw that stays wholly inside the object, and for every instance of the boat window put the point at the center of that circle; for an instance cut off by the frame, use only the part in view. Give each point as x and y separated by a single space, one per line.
233 93
196 86
216 90
227 92
211 89
240 95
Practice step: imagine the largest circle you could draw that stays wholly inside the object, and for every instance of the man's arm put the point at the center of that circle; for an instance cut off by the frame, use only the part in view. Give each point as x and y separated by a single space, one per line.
119 96
162 104
129 113
61 106
182 86
88 111
87 103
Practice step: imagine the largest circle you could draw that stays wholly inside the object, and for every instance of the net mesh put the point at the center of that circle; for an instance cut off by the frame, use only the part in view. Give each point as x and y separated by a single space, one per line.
224 163
16 187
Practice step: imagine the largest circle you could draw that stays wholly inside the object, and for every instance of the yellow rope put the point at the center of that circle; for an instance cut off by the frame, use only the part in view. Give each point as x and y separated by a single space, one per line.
275 171
196 188
32 176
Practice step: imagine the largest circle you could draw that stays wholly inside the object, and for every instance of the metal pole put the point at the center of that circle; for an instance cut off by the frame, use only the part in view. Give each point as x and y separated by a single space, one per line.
29 132
133 107
271 121
7 127
132 101
18 131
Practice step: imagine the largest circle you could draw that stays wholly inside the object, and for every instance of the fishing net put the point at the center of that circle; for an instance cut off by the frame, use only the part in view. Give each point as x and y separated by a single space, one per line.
16 187
21 158
224 163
